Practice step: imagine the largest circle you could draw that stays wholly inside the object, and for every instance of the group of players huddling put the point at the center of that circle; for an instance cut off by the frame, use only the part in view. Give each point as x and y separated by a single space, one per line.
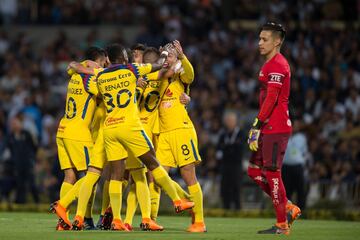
126 118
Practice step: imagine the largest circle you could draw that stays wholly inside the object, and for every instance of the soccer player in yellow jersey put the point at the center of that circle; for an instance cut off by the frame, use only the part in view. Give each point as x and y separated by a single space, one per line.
148 99
123 129
177 146
73 137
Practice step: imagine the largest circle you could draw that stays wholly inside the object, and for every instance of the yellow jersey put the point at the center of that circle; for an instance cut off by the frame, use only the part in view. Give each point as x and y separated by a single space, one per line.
98 119
149 98
172 113
79 110
117 85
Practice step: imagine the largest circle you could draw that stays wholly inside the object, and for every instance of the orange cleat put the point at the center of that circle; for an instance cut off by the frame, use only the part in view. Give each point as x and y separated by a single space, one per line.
118 225
148 224
197 227
61 213
182 205
293 212
61 228
129 227
78 223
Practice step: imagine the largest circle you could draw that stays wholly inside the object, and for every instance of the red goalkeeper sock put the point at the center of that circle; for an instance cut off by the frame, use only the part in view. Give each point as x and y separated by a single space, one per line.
278 194
256 175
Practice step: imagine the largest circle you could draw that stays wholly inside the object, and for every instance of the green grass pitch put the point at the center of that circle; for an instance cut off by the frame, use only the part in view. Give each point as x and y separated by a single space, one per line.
38 226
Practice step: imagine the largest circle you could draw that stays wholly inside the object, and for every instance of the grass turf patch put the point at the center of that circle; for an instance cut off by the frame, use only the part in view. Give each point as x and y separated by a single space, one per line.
41 226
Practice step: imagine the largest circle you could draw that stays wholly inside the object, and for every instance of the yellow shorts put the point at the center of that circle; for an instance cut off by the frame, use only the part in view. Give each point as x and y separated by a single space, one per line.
99 159
117 140
74 154
178 148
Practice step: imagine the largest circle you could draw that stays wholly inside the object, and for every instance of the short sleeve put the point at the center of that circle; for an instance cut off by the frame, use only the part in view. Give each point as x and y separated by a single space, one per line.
89 82
139 69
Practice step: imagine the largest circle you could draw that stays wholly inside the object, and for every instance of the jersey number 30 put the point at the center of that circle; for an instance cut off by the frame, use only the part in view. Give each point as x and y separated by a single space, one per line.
109 100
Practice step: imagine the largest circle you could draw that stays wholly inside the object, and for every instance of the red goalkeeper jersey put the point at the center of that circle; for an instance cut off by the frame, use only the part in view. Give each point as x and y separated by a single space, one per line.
274 77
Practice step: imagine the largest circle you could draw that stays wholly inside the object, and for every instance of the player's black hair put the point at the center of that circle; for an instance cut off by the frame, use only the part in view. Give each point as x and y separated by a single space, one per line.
138 46
117 53
93 53
276 28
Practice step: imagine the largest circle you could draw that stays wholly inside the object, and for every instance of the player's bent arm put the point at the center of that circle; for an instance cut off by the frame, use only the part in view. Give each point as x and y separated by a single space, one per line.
267 107
80 68
188 74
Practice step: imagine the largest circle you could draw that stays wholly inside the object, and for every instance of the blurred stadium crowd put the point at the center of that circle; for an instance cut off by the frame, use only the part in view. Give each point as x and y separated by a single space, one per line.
325 97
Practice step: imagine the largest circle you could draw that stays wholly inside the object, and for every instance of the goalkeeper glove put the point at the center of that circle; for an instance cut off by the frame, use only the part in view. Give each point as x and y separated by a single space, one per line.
254 135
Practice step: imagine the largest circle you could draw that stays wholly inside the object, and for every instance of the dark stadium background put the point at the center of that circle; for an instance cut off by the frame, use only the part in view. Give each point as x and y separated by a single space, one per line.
39 38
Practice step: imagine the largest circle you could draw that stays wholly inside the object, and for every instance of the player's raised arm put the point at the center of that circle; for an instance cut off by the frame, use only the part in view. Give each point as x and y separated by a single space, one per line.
187 73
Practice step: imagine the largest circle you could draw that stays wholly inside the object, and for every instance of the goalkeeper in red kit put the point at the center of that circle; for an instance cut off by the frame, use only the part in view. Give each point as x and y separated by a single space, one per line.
271 129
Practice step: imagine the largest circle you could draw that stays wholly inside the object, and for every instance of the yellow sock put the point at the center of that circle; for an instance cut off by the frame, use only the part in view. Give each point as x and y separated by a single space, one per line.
180 191
105 200
71 195
85 192
164 181
142 191
90 205
155 193
65 188
115 194
197 196
131 204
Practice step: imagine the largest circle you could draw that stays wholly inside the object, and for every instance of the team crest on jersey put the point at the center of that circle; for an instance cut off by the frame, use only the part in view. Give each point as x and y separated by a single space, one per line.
168 93
261 74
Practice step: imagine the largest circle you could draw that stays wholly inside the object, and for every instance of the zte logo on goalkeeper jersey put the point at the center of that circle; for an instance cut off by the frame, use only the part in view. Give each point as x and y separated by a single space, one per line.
275 77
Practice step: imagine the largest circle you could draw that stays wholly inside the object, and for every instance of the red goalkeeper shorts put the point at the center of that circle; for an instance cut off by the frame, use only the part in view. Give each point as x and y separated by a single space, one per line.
271 151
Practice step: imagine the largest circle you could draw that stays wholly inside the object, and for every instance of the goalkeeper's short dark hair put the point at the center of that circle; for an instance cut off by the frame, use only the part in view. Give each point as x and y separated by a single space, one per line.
276 28
93 53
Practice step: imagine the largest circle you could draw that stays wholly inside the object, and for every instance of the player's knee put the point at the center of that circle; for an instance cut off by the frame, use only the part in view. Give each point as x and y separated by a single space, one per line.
254 171
70 176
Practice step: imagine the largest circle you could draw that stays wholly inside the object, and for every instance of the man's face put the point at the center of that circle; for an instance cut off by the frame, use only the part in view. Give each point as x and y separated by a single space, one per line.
103 61
171 59
267 42
138 56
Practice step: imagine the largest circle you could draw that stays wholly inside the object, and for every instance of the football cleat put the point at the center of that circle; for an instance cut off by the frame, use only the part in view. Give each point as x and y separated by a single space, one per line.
129 227
107 219
61 228
293 212
182 205
197 227
78 223
60 211
148 224
89 224
118 225
278 228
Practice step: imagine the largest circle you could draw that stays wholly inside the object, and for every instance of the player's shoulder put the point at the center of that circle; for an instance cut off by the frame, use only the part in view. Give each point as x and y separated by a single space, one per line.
279 63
